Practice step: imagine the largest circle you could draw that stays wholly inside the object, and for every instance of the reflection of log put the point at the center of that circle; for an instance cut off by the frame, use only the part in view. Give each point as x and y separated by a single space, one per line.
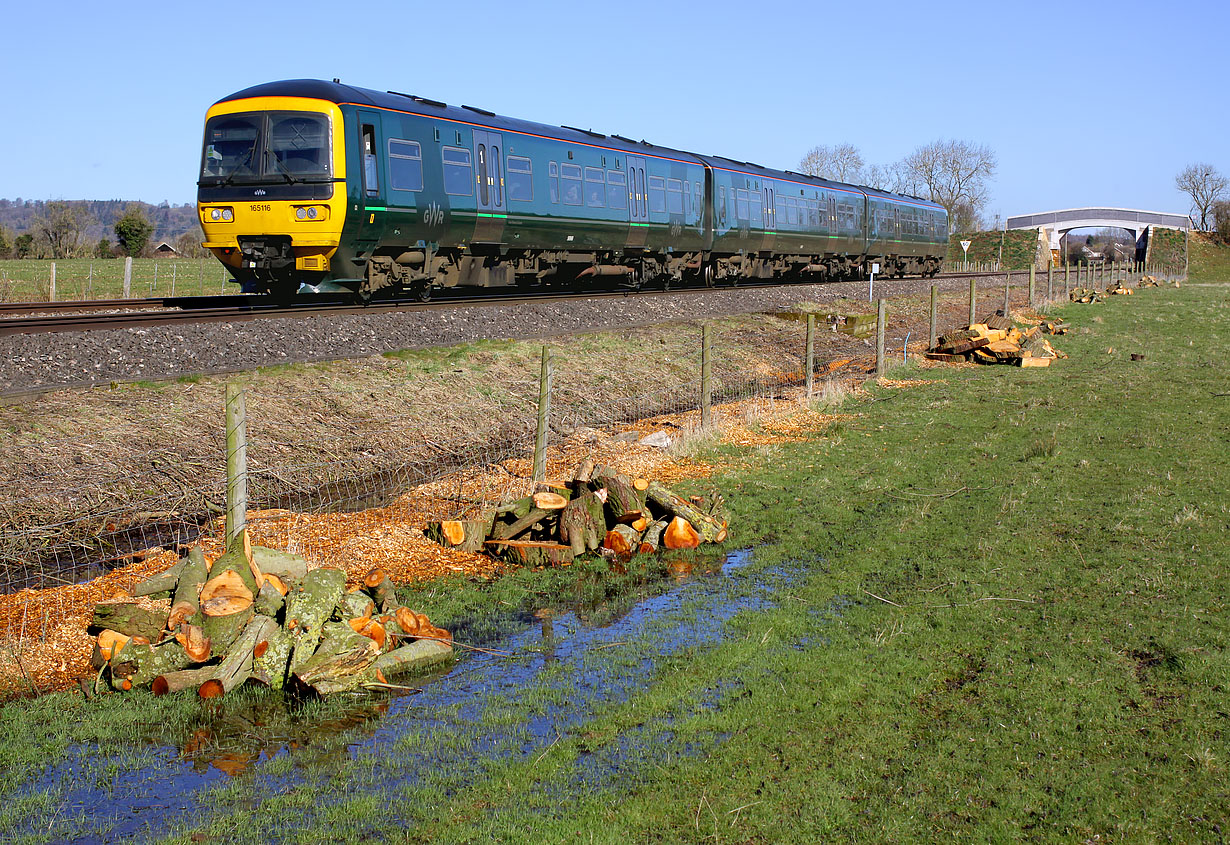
581 523
340 663
706 526
128 618
307 608
162 583
416 655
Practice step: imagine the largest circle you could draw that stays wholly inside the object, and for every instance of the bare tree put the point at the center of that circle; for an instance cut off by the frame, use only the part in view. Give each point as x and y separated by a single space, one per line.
60 227
1204 185
840 162
954 173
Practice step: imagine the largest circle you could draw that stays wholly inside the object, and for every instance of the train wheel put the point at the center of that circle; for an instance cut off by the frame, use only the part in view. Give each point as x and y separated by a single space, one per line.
708 275
422 291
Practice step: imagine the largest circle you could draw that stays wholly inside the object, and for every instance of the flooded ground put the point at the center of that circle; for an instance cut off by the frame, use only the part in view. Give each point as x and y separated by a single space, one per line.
511 701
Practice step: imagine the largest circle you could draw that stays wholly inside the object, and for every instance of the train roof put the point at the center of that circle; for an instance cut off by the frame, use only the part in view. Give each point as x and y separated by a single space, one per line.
338 92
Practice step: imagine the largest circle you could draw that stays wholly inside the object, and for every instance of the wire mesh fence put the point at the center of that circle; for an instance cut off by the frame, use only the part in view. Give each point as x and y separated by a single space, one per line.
83 279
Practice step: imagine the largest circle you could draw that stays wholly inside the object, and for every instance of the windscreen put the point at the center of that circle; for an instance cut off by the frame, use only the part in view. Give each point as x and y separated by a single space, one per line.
264 147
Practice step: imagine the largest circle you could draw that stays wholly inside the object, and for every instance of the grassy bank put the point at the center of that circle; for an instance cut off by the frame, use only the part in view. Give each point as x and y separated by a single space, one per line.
990 607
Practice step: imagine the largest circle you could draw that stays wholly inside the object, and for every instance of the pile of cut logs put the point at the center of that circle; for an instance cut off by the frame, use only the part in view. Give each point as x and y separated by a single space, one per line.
260 614
599 510
996 340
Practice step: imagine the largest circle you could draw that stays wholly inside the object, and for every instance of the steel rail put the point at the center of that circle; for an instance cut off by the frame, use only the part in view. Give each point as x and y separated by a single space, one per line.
167 311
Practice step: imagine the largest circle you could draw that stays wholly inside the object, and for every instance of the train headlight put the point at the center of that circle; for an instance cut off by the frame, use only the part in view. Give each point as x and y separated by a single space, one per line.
228 215
215 214
300 213
311 212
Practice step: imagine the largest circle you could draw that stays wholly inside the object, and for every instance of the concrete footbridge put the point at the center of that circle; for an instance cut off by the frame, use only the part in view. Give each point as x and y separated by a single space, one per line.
1053 225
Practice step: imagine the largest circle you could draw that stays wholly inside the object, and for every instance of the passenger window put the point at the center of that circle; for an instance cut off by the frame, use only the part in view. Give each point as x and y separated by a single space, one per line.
553 181
757 215
405 165
595 188
570 183
700 208
674 196
483 194
520 179
721 204
616 189
371 178
458 174
741 204
657 194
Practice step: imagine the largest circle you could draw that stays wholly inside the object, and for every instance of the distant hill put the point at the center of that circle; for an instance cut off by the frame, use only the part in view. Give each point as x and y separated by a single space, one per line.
170 221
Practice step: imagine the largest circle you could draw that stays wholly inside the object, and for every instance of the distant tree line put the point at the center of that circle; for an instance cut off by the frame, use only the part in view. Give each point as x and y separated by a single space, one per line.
955 174
95 228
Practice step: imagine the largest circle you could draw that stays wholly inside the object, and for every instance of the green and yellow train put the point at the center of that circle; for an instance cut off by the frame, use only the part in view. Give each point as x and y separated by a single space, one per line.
313 186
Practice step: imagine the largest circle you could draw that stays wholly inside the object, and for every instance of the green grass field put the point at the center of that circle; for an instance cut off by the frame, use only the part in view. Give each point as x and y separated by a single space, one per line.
990 608
29 279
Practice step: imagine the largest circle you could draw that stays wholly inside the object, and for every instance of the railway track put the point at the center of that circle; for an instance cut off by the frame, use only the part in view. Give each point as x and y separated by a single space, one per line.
93 315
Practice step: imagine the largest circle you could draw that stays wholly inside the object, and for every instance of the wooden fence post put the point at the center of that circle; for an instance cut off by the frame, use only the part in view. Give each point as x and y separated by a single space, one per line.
972 303
1007 288
1050 282
128 276
1030 301
236 462
809 356
881 362
544 416
706 376
51 288
931 338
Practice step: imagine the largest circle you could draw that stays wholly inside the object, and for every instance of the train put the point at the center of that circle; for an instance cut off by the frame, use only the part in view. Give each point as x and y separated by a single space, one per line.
308 186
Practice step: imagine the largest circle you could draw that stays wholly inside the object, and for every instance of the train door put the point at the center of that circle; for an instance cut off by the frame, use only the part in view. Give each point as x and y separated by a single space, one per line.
372 219
489 180
638 202
770 215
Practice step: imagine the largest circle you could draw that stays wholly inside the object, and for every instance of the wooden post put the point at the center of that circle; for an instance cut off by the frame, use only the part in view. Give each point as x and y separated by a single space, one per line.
1050 282
881 362
931 338
236 462
51 289
809 356
972 303
128 276
1007 288
706 376
1030 301
544 416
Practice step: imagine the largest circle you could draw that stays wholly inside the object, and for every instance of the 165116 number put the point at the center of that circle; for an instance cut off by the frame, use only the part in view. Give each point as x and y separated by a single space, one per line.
260 206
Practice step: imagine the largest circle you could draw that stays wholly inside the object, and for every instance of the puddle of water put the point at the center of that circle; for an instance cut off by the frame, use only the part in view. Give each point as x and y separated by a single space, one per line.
566 664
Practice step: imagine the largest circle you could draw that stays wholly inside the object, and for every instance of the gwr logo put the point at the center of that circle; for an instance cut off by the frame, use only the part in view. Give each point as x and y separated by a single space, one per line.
433 215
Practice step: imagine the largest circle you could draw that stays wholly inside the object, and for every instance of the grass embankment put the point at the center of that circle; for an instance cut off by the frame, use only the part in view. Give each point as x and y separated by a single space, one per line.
1010 622
29 279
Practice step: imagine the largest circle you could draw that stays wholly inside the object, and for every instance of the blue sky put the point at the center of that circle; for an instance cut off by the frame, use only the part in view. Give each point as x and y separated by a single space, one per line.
1084 104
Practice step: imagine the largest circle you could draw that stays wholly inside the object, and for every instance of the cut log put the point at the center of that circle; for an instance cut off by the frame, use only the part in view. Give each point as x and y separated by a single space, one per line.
680 534
532 552
623 540
706 526
193 641
516 508
652 536
1035 362
234 560
161 585
623 500
110 643
236 666
289 567
181 680
223 630
271 658
340 663
382 591
640 484
129 619
581 523
549 501
188 591
370 628
138 664
944 356
277 582
466 535
514 530
585 471
307 608
357 605
181 613
225 593
411 657
269 601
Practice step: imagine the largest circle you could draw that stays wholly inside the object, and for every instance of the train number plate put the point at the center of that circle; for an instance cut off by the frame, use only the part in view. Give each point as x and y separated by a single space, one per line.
260 206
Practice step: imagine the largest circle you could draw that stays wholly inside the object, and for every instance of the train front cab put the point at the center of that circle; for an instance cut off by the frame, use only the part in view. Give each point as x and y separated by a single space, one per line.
271 195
